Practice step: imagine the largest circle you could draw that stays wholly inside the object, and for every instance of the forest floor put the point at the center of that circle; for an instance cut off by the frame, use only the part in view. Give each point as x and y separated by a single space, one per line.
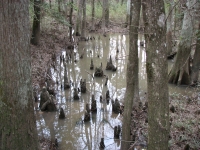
184 110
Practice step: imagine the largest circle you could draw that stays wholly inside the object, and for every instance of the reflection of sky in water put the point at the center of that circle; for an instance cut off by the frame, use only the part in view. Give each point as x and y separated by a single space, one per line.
71 132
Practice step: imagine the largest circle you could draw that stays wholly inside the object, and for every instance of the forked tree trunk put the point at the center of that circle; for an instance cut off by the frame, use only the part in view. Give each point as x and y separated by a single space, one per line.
17 120
132 87
157 86
179 73
36 23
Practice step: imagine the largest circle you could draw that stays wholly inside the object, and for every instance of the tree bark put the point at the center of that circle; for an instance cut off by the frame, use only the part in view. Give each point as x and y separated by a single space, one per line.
105 14
59 5
36 23
50 4
128 7
179 14
132 88
78 20
168 11
144 15
70 21
93 14
83 29
179 73
66 9
17 120
157 87
196 61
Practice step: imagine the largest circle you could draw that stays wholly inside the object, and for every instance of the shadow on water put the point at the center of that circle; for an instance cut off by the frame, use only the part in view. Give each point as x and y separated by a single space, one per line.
71 132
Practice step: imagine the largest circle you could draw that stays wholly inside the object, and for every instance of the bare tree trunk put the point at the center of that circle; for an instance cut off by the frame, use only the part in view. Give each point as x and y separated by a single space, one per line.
83 29
122 2
93 14
17 121
179 73
105 14
168 12
70 21
132 88
179 14
144 15
59 5
128 7
50 4
157 87
66 9
36 23
78 20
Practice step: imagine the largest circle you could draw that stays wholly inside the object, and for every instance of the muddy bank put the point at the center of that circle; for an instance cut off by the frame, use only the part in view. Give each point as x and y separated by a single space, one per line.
184 124
51 44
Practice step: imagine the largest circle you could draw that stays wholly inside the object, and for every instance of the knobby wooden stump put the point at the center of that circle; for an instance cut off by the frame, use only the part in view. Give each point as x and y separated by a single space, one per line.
93 105
102 145
62 114
76 97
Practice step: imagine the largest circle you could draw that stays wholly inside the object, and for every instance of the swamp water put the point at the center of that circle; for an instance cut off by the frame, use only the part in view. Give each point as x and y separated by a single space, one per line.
72 133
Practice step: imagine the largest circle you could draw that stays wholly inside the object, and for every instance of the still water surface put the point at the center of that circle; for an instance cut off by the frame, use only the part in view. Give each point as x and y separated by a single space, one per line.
72 133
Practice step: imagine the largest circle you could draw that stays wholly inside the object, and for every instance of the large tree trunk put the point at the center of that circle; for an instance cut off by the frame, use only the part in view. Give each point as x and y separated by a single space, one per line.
179 73
36 23
132 88
157 87
196 61
17 120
